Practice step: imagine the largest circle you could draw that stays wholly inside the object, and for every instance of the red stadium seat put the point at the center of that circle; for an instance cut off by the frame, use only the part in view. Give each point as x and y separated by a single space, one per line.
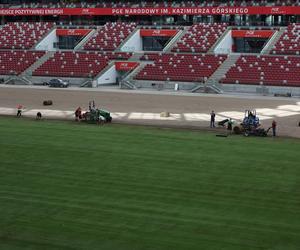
110 36
22 35
77 64
15 62
289 43
180 67
266 70
200 37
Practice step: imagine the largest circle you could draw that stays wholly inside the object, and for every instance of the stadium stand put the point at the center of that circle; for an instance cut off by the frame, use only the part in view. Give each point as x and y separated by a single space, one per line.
289 43
191 59
21 35
15 62
267 70
77 64
180 67
110 36
200 37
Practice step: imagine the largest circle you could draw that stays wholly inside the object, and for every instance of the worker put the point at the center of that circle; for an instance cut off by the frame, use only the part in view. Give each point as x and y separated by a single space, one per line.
19 110
229 125
38 116
92 106
274 125
212 119
78 114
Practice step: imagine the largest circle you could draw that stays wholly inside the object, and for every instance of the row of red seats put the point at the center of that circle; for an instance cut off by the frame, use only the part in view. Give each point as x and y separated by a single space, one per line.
15 62
289 43
179 67
20 35
77 64
200 37
266 70
110 36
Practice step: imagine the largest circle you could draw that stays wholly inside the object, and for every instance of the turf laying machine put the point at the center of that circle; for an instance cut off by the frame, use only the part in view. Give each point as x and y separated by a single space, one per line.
250 125
95 115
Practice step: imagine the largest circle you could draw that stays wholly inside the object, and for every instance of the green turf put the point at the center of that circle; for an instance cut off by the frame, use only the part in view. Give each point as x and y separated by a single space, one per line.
74 186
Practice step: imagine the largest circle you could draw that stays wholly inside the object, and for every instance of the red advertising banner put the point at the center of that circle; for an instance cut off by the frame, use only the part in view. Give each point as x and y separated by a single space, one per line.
252 33
282 10
126 66
72 32
155 32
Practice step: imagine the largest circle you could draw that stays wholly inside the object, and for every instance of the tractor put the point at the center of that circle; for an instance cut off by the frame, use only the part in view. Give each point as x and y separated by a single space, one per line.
250 125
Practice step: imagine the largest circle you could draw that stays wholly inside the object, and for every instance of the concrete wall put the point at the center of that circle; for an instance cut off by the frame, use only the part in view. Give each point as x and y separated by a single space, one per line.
268 90
134 43
47 42
225 45
108 77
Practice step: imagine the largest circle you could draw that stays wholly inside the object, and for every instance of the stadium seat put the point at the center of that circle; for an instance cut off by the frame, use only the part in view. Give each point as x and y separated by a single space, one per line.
180 67
77 64
200 37
289 42
22 35
266 70
15 62
110 36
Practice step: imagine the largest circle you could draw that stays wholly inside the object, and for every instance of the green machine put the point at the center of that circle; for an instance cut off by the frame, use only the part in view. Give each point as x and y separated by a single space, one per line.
95 115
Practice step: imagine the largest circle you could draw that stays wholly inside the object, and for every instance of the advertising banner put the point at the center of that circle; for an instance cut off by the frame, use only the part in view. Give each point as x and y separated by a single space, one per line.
126 66
282 10
252 33
72 32
156 32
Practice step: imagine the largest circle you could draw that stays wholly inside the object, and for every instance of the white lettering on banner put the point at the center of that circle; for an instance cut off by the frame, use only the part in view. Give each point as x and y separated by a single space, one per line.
190 11
250 32
141 11
229 11
54 11
7 12
37 12
117 11
164 11
29 12
277 11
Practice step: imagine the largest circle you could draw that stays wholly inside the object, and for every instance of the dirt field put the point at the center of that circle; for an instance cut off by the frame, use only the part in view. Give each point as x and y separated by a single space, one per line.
192 109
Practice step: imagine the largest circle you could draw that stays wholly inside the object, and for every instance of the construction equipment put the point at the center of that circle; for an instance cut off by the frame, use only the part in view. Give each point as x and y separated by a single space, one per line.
250 125
95 115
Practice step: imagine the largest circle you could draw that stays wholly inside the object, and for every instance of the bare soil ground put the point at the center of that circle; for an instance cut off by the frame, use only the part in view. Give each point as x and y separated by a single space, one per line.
287 117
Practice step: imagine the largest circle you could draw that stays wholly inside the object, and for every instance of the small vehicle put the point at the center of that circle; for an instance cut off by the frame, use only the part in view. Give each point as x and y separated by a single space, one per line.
97 116
250 125
58 83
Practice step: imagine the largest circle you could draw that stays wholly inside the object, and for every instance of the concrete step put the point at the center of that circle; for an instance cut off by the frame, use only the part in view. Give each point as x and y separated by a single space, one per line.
84 40
223 69
127 85
176 39
38 63
275 38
